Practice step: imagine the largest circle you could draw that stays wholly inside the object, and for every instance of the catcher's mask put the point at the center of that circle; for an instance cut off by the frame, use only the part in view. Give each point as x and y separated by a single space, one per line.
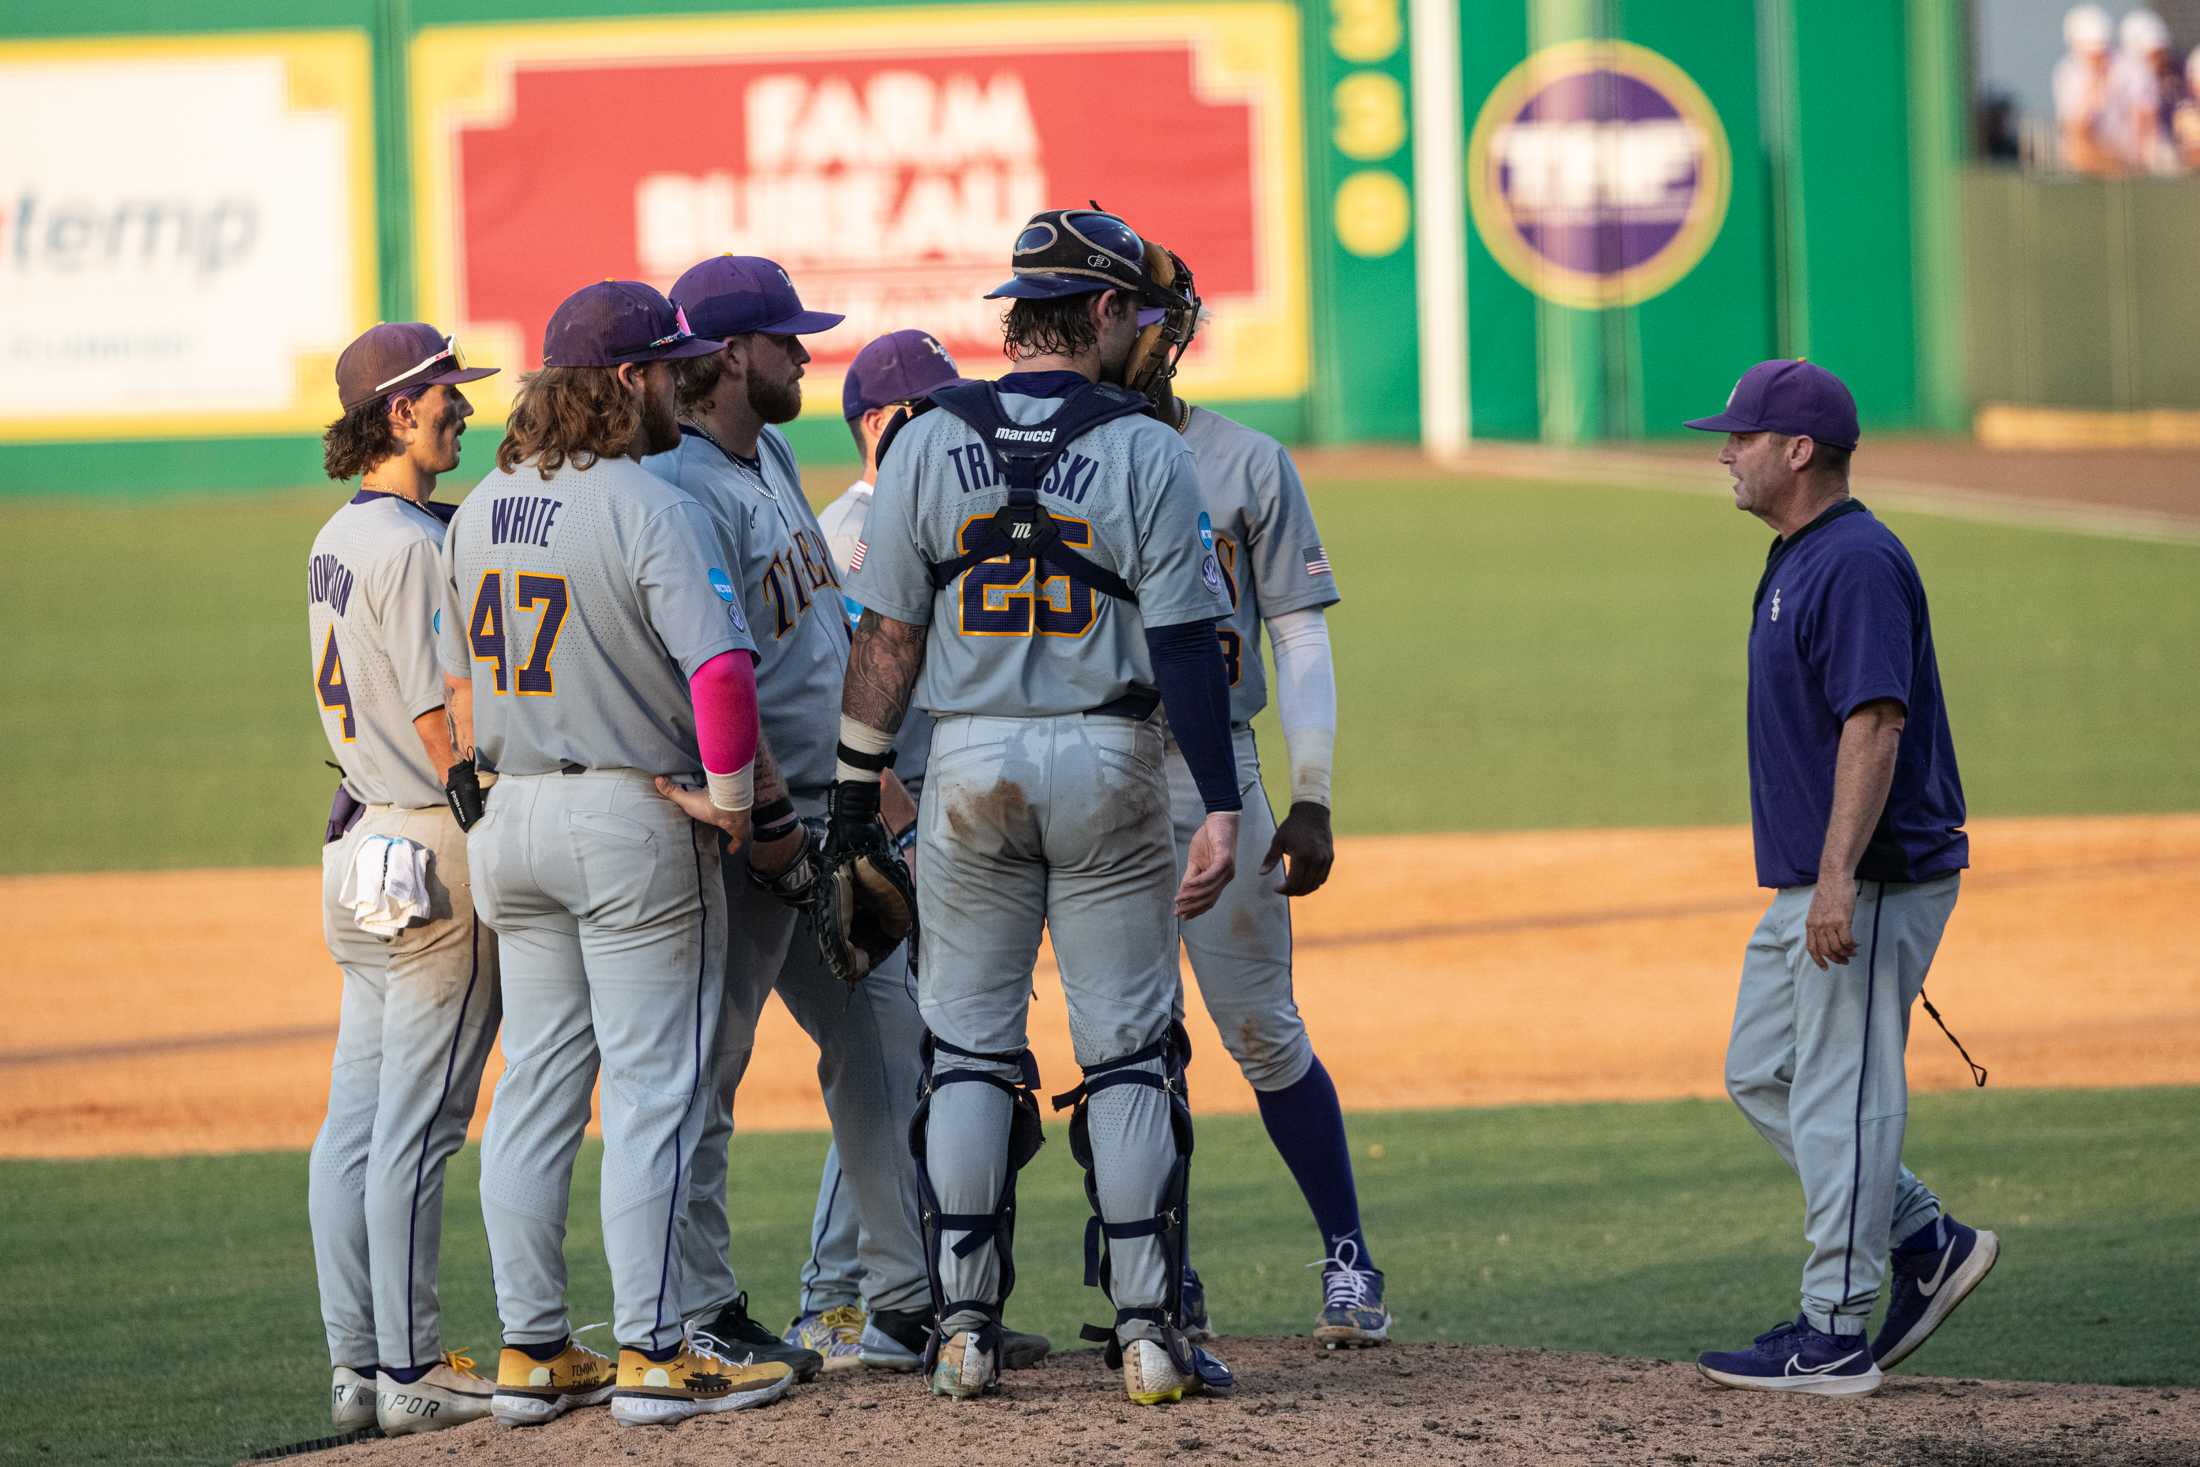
1161 345
1065 252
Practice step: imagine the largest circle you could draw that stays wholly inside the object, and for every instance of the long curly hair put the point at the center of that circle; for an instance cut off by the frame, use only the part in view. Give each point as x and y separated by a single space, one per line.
1059 327
359 440
565 415
695 379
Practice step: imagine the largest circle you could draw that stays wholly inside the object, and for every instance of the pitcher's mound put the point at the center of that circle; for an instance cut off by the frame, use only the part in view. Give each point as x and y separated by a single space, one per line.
1402 1403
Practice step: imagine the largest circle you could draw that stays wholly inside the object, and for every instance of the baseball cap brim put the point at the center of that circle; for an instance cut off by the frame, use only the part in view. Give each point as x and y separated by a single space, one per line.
1722 423
802 323
1049 287
686 346
452 379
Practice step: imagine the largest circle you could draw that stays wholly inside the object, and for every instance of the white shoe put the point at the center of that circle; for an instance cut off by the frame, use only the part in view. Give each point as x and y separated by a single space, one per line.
965 1370
703 1376
351 1399
1150 1377
450 1394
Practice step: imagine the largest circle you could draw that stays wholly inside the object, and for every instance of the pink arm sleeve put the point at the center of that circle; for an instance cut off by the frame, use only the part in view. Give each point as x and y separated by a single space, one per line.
724 690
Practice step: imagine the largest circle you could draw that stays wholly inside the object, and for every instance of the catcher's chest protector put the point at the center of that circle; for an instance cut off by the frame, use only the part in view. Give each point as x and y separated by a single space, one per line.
1026 454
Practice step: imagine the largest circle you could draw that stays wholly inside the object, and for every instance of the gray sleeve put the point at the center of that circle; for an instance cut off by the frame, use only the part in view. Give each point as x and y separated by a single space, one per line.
1290 568
695 614
1177 578
895 578
450 635
410 594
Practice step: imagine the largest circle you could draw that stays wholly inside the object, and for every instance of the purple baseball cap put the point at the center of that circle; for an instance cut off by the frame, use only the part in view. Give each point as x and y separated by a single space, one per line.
732 295
1797 399
900 366
616 322
398 356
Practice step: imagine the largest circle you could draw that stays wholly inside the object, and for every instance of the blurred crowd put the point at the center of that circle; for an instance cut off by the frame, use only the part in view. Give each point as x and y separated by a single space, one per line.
2123 102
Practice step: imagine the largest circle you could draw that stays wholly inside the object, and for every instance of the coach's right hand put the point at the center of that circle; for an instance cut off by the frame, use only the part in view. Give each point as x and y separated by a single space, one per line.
1213 861
735 823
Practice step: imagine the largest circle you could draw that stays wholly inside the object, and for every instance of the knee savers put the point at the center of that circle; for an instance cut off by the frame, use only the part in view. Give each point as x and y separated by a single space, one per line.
997 1227
1173 1049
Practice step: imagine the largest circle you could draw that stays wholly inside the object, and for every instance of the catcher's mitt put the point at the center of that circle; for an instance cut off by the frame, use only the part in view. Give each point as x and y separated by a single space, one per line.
852 889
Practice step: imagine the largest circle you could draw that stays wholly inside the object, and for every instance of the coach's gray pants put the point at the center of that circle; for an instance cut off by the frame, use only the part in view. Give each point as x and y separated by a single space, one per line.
419 1014
1058 825
1816 1064
612 925
1241 947
869 1060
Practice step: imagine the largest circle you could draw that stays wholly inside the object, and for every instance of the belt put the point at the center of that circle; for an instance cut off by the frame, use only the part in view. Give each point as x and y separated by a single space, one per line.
1137 705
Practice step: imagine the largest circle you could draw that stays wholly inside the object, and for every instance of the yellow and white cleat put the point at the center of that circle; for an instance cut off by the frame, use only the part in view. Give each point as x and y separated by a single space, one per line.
450 1394
1151 1378
697 1379
965 1369
531 1391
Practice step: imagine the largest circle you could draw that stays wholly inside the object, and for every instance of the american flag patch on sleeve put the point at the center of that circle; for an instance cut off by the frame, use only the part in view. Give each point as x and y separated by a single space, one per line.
855 561
1317 561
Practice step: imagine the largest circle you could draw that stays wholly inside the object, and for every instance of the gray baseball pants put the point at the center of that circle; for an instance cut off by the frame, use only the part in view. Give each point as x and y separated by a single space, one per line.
419 1015
1816 1064
612 924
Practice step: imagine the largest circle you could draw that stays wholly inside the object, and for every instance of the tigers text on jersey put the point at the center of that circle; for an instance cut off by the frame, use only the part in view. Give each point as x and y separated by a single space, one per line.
582 604
1008 639
789 590
843 522
1271 555
374 583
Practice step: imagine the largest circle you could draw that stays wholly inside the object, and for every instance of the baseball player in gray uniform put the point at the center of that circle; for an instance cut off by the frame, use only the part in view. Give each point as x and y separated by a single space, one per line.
609 670
733 459
420 992
1034 552
888 378
1278 576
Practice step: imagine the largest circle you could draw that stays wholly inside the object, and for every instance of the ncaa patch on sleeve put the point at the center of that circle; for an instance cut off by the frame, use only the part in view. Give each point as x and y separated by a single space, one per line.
721 583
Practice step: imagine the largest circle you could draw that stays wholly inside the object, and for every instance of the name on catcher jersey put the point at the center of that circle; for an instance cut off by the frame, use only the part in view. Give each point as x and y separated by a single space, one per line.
790 594
1010 639
581 605
1265 541
374 582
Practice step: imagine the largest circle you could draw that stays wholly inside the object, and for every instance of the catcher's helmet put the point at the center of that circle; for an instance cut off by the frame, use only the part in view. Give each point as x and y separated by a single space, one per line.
1065 252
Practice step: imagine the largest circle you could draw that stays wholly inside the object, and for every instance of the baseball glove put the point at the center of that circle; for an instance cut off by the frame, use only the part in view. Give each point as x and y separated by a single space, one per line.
852 890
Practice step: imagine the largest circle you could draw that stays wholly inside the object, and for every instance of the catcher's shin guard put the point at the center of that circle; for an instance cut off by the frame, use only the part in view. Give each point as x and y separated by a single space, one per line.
1171 1049
997 1227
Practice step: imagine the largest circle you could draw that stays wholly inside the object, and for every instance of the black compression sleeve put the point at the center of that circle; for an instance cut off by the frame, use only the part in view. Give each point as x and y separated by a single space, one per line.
1195 691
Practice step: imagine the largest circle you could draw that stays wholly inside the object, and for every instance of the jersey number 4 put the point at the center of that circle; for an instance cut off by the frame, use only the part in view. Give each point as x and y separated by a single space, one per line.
485 630
1000 599
335 692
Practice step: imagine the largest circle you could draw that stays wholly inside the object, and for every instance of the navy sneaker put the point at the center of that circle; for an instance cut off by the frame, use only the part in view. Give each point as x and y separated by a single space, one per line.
1197 1328
1796 1357
1926 1279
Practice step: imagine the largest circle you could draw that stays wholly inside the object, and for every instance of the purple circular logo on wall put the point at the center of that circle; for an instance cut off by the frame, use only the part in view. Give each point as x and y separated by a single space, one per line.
1598 173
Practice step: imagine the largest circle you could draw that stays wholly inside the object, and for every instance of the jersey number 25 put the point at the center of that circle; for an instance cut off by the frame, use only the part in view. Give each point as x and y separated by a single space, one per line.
485 630
999 599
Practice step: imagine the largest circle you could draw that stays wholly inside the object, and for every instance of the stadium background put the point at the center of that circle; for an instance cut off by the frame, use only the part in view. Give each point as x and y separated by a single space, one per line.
1544 882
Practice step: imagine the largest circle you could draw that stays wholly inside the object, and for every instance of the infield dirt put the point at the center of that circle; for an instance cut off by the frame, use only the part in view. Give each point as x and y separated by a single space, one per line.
189 1011
1402 1403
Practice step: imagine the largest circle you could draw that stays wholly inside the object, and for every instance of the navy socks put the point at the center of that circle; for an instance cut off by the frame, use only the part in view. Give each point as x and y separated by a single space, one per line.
1307 1126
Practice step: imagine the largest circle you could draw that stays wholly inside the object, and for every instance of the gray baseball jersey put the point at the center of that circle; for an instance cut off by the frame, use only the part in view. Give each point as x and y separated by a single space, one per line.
1127 497
582 605
1271 555
374 583
789 593
843 523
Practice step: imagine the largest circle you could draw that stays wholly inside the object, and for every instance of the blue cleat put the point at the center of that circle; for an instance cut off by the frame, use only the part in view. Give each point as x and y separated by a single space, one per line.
1927 1279
1796 1357
1353 1312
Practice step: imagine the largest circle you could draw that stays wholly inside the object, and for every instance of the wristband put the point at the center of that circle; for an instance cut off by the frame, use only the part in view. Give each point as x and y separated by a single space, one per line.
735 791
864 753
907 838
770 822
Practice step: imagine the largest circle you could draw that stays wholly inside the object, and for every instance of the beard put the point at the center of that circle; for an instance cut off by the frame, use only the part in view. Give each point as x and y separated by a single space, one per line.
448 427
660 423
776 402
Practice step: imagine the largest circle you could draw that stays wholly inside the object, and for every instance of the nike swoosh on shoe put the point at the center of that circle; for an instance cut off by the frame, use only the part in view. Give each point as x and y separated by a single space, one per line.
1830 1365
1931 1286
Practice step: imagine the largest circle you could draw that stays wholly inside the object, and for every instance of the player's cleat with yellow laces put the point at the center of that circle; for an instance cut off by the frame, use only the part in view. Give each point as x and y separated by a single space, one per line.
965 1369
1151 1378
697 1379
449 1394
531 1391
836 1334
351 1398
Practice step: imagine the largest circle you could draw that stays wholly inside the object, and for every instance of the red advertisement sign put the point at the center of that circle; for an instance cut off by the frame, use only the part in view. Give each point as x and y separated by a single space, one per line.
888 175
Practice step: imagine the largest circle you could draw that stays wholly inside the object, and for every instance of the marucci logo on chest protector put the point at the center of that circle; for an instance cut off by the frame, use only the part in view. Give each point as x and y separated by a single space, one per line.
1019 531
1025 435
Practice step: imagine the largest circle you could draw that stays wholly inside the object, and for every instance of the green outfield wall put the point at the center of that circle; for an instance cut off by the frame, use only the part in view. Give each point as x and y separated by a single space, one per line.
1415 220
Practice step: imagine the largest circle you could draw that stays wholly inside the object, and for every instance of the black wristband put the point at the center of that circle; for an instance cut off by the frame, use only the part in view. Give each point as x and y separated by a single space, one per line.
857 759
770 822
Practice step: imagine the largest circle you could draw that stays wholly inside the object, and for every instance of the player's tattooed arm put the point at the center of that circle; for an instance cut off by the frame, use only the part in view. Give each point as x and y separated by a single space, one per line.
458 708
882 671
771 785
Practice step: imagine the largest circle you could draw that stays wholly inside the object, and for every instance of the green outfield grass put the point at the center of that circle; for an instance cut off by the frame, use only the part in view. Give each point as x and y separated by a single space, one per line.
165 1310
1511 655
